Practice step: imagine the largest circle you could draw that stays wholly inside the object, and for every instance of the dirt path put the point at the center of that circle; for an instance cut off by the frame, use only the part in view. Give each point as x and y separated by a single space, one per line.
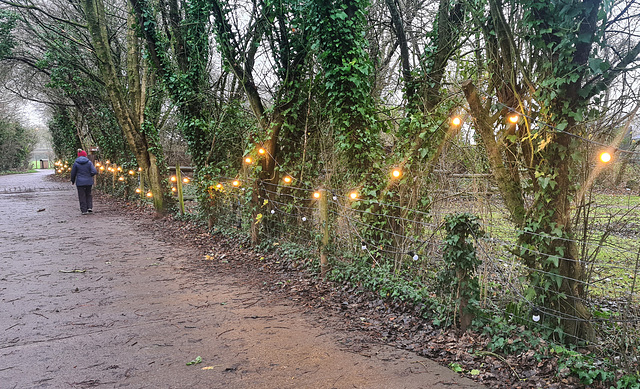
93 301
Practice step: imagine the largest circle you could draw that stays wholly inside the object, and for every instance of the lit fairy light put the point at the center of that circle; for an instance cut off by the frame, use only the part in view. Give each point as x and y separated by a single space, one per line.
353 195
316 195
456 121
235 183
262 151
396 173
186 180
287 179
605 157
514 119
248 160
149 194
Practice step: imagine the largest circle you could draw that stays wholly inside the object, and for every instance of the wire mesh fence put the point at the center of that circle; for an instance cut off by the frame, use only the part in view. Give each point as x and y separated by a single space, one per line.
409 242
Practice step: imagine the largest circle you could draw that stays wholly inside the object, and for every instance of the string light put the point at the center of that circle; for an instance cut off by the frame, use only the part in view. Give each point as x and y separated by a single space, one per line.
248 160
138 190
235 183
219 186
396 173
102 168
120 178
605 157
262 151
353 195
173 189
131 172
173 179
186 180
149 194
139 169
535 315
287 179
316 195
514 118
456 121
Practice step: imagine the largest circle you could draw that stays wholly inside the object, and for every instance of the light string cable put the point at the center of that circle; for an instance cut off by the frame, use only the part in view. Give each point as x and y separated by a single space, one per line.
556 129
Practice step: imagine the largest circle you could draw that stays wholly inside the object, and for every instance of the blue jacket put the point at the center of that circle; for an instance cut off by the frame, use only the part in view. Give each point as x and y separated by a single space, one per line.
82 172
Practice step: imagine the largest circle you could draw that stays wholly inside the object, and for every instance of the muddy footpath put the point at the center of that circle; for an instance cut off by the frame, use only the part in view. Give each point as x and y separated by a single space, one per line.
104 301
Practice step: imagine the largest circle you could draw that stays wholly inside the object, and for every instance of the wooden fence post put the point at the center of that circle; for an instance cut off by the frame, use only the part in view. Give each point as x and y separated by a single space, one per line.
179 187
323 205
141 177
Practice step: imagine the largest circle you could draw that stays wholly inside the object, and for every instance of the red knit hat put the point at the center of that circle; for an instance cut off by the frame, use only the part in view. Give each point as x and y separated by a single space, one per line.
82 153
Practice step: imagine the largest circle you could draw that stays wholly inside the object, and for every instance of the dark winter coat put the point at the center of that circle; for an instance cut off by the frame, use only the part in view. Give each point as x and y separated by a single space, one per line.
82 172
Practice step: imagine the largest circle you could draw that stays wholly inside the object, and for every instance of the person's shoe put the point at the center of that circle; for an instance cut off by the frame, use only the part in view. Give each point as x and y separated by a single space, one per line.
84 213
90 210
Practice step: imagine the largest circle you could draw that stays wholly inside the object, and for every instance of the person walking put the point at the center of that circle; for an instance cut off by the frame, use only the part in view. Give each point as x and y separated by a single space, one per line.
82 174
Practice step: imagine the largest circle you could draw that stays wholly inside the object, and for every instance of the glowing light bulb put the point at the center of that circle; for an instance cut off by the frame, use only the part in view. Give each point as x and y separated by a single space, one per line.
185 180
173 189
456 121
102 168
131 172
316 195
514 118
248 160
120 178
173 179
149 194
138 190
97 164
119 168
605 157
287 179
139 169
262 151
396 173
236 183
219 186
353 195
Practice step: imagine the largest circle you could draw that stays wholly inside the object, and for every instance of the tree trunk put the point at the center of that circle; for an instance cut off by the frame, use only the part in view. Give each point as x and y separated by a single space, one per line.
129 115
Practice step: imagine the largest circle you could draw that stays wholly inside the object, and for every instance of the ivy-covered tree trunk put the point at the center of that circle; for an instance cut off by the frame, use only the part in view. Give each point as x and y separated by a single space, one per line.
339 28
552 92
128 107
